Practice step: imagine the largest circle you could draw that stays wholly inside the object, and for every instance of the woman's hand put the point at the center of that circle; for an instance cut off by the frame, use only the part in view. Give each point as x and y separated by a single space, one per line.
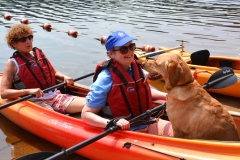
36 91
64 78
123 123
68 80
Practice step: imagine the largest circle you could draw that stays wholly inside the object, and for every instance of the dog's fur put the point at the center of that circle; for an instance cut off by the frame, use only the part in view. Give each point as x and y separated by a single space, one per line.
194 114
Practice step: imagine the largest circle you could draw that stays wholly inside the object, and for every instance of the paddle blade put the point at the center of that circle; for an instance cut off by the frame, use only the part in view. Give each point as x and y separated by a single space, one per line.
221 79
225 83
37 156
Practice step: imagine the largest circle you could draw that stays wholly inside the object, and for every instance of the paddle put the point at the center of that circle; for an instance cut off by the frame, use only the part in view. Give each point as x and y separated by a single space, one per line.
45 90
220 76
151 54
37 156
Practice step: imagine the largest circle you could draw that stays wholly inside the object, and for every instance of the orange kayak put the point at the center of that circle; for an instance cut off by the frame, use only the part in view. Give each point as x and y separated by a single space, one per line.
67 131
202 67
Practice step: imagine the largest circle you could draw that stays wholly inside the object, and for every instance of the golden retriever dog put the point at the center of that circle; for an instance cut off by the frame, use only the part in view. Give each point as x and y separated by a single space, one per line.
194 114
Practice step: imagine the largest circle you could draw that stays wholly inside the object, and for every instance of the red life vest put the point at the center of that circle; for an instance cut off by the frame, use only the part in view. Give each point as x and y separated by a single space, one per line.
128 95
35 74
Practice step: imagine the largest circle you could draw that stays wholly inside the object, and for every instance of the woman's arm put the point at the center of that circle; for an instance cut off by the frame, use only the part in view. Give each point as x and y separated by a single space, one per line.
158 94
6 84
89 116
63 77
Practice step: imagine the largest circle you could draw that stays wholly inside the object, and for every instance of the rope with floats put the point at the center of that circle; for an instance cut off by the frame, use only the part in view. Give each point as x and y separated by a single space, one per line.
73 33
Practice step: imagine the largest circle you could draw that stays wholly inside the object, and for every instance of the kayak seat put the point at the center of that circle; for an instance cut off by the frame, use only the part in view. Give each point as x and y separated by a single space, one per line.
200 57
225 63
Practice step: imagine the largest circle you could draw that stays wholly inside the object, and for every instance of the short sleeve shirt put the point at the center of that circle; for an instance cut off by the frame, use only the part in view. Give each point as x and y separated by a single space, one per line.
97 97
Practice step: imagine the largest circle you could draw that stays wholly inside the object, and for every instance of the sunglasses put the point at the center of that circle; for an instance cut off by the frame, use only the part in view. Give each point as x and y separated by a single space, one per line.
24 39
124 49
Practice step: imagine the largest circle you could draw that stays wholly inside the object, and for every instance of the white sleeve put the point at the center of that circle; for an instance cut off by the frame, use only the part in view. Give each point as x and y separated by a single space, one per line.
15 62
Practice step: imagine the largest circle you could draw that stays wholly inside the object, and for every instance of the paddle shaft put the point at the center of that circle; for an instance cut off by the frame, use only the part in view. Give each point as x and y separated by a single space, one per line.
212 83
159 52
101 135
45 90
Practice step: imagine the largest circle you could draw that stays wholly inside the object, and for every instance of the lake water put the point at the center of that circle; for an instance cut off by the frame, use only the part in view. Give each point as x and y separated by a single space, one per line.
204 24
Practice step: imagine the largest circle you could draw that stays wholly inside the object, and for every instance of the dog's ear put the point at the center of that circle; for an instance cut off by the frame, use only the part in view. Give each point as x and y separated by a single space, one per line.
187 77
174 71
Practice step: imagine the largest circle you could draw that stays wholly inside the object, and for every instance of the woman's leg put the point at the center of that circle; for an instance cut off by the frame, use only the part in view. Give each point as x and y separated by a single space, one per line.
43 104
162 127
76 105
65 103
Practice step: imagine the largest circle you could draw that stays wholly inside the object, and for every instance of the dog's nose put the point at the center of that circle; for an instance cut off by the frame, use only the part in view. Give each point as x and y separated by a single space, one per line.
142 65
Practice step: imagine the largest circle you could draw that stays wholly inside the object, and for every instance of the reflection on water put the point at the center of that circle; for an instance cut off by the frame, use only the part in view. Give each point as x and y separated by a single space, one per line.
205 24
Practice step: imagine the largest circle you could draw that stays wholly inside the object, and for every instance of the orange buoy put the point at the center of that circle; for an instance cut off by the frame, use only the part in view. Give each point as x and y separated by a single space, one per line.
103 39
24 21
47 29
46 26
7 16
147 48
72 33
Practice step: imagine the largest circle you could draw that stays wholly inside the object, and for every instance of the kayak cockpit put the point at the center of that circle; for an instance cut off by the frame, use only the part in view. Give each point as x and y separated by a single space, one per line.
203 58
